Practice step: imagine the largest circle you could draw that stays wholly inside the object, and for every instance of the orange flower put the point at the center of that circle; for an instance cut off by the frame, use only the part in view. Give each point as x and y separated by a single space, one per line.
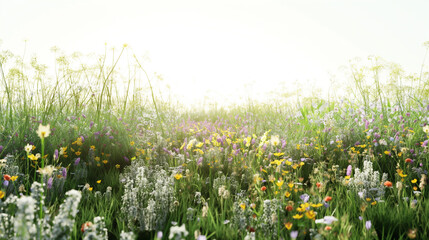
328 228
388 184
408 160
318 185
6 177
328 198
263 188
289 208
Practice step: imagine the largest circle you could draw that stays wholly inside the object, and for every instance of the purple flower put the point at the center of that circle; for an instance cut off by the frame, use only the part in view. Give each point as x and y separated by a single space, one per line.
159 235
126 159
50 181
200 161
83 115
360 218
56 154
64 172
1 148
5 183
305 197
76 162
294 234
91 124
368 224
349 170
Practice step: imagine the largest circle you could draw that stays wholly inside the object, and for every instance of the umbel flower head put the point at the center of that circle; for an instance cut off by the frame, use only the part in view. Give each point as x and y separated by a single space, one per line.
43 131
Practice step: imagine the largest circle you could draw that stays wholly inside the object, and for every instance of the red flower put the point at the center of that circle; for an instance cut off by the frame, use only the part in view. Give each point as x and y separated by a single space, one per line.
408 160
328 198
263 188
318 185
85 226
388 184
289 208
6 177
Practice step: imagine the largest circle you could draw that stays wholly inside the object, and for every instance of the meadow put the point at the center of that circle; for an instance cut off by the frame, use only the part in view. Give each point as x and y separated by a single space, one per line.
83 157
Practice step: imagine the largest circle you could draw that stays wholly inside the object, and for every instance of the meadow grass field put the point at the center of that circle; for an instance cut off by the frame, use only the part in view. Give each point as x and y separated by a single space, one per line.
82 158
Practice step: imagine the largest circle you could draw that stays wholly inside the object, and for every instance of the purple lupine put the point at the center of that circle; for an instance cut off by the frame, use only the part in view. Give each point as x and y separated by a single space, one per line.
76 162
200 161
91 124
126 159
50 181
56 154
64 172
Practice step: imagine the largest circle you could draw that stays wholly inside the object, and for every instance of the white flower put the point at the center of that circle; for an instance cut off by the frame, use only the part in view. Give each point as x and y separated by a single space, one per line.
383 142
28 148
43 131
275 140
327 220
426 129
178 230
47 171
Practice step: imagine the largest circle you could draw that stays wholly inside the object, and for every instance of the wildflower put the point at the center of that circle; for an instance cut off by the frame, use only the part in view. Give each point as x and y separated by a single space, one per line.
63 151
310 214
279 183
105 161
327 220
178 230
275 140
47 171
6 177
289 208
13 178
2 194
92 147
328 198
288 225
178 176
263 188
243 206
297 216
118 166
414 180
28 148
412 233
408 160
50 182
43 131
294 234
77 153
368 224
76 162
98 181
132 143
349 170
388 184
426 129
85 226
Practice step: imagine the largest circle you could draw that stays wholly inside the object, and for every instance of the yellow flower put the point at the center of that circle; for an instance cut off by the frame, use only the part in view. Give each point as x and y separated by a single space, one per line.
368 199
414 180
373 203
316 205
288 225
287 194
132 143
105 161
279 154
118 166
97 159
43 131
277 162
99 181
310 214
77 153
93 147
90 189
297 216
178 176
290 185
13 178
1 194
243 206
279 183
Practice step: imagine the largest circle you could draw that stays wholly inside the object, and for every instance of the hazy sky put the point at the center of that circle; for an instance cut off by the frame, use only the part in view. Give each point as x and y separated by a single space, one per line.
225 45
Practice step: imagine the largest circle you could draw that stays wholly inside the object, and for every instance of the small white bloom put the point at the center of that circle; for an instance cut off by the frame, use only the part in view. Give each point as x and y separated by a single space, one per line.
43 131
